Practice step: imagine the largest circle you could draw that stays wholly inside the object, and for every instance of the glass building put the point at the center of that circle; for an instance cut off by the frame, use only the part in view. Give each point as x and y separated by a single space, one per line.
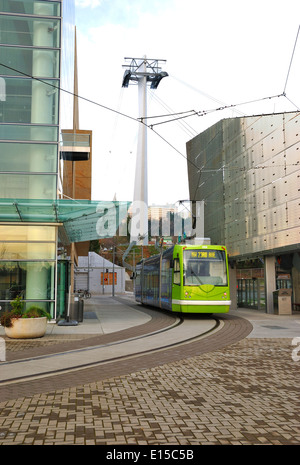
36 61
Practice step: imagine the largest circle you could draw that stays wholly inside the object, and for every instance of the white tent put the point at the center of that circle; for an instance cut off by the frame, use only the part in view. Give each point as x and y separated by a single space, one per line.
95 274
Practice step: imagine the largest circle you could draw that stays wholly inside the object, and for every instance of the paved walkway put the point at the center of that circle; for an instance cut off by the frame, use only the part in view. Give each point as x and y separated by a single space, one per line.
239 385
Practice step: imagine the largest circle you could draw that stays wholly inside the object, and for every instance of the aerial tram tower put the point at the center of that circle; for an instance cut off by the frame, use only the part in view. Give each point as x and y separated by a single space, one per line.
143 72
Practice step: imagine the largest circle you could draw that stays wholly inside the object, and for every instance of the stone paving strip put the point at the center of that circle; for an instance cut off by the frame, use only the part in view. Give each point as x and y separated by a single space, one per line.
225 389
246 393
40 366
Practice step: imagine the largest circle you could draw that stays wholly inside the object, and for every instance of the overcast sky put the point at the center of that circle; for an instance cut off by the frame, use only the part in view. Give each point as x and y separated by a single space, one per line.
217 52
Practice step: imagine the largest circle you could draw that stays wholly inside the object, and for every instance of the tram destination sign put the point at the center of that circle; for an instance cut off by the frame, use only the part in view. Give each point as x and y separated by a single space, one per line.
205 254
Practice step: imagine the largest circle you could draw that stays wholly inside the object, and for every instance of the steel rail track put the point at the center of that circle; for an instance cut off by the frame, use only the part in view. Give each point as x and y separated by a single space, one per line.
82 366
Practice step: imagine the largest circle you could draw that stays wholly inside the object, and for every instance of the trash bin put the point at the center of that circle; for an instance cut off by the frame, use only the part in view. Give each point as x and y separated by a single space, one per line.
282 299
76 309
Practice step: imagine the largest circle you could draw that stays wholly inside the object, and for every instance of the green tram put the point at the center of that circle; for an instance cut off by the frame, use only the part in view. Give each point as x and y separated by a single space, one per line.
185 278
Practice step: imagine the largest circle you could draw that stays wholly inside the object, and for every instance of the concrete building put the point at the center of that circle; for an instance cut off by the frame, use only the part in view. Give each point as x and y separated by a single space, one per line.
248 175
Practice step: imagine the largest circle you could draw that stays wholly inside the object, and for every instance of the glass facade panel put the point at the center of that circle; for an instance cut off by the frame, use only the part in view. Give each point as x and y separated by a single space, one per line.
30 7
27 265
28 133
31 280
30 31
251 293
67 64
30 101
22 59
22 157
30 38
27 250
27 186
27 233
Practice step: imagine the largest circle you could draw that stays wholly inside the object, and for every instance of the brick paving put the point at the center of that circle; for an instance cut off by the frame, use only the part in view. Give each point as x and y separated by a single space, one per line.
224 389
51 344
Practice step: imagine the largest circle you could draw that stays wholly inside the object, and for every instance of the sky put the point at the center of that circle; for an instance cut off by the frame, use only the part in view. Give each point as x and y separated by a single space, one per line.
217 53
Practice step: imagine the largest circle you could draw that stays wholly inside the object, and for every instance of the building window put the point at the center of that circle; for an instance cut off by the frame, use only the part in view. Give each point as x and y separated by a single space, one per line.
31 158
26 132
30 7
30 31
108 278
29 101
27 186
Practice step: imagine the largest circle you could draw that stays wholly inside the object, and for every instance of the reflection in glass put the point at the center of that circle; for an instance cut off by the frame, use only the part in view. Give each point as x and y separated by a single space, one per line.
18 157
27 251
26 233
30 101
38 32
28 133
31 280
48 306
19 61
30 7
23 186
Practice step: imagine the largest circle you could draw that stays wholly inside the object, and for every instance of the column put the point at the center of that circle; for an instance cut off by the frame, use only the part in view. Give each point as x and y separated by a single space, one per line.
41 112
232 285
42 95
140 197
270 282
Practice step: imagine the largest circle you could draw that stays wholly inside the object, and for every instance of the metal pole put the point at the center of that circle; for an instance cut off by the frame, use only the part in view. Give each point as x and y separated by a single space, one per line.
160 271
103 275
88 283
113 283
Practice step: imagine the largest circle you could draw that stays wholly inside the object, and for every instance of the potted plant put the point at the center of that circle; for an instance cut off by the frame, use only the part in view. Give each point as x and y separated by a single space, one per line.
24 324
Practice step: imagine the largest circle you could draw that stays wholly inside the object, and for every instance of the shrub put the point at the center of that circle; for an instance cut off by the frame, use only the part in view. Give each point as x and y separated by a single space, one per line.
36 312
17 312
6 318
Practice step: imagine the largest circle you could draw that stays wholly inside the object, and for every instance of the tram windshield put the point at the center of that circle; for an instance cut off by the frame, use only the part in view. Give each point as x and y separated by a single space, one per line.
204 266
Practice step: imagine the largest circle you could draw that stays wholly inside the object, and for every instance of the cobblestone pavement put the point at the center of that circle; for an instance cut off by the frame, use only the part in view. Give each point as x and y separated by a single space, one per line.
244 393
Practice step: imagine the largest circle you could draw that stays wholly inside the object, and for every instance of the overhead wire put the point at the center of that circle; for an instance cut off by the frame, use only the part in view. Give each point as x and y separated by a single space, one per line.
141 119
183 124
46 81
180 116
163 116
204 94
206 112
291 61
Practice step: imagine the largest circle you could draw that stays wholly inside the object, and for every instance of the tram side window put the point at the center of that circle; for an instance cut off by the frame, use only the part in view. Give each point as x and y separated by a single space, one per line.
138 278
176 271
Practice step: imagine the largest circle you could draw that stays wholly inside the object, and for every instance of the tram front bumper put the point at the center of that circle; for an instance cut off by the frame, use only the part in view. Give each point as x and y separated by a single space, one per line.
201 306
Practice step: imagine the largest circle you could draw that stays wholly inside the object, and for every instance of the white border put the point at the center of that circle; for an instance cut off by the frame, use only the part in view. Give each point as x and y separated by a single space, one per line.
201 302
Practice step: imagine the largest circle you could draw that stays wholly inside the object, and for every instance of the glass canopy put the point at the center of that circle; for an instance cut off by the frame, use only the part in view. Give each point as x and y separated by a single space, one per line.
83 220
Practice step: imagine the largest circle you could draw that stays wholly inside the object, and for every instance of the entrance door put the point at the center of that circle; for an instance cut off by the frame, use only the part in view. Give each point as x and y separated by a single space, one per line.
251 293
